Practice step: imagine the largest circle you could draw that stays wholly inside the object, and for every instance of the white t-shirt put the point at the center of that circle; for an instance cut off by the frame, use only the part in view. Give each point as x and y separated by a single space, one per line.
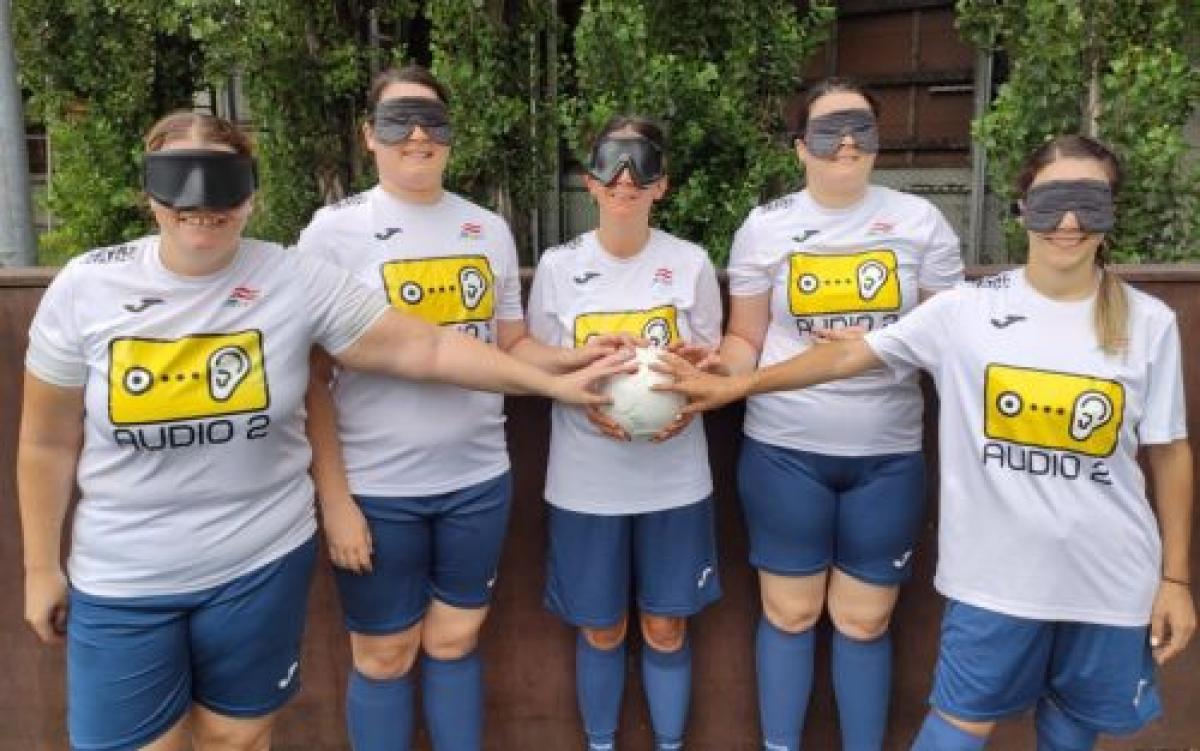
826 269
1043 506
451 263
666 293
194 467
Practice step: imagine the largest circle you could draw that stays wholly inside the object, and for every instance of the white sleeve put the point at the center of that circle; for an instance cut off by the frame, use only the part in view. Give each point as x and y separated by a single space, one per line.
705 317
543 319
56 353
921 338
749 269
508 278
941 261
311 242
340 307
1165 416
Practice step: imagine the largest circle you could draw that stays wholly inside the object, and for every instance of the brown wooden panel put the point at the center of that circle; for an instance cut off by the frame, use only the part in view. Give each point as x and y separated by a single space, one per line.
876 45
940 47
530 693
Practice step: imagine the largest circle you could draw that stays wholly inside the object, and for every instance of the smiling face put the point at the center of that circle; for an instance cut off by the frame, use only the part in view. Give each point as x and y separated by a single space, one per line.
623 200
415 165
1068 247
208 236
849 169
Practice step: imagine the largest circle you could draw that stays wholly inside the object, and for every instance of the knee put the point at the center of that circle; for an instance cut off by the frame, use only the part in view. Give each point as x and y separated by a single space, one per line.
229 737
386 657
607 637
664 634
860 626
449 641
792 617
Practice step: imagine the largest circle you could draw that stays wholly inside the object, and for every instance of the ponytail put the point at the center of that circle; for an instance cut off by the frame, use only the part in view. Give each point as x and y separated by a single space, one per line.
1112 310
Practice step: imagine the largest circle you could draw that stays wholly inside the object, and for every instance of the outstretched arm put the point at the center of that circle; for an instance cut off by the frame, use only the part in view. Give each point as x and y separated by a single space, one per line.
1173 619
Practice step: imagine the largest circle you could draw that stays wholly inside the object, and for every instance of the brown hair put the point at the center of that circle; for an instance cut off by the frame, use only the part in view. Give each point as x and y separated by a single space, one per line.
184 124
413 73
798 120
1112 302
643 126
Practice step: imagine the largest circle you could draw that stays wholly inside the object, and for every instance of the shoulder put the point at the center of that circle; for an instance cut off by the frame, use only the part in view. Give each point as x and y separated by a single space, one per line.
1147 310
563 253
680 249
345 212
772 210
112 255
992 283
485 220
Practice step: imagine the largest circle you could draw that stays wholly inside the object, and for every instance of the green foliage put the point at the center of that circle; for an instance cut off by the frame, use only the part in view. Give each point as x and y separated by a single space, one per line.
716 75
101 72
1128 58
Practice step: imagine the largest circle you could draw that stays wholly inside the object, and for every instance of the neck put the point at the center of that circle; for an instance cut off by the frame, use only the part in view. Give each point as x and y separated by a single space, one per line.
1076 283
836 199
623 239
429 195
184 262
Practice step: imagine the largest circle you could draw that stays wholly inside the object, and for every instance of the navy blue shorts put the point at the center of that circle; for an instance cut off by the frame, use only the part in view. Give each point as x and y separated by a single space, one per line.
136 664
669 557
444 547
991 666
806 512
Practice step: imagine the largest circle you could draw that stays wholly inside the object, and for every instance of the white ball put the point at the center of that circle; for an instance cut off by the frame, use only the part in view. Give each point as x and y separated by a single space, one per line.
635 407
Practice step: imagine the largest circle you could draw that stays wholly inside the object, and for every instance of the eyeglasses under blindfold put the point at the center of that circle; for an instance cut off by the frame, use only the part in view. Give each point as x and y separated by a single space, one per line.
1091 201
642 157
199 178
396 119
823 135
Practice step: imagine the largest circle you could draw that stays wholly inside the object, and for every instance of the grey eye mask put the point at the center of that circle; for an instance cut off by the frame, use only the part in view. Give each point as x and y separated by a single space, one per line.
1091 202
823 135
396 119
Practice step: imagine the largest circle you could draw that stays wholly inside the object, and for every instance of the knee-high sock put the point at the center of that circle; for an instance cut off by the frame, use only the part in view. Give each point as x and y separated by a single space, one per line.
379 713
862 681
1058 732
937 734
452 693
667 677
785 669
599 683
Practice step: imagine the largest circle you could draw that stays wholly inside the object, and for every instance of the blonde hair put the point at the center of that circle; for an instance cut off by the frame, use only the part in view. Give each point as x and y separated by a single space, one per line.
1111 318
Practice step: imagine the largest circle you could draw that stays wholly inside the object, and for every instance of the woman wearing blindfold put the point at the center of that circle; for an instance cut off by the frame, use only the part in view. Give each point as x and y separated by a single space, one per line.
413 478
167 376
831 479
1063 592
628 511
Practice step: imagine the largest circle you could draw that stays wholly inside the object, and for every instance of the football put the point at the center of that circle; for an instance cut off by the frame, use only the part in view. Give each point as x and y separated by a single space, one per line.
641 411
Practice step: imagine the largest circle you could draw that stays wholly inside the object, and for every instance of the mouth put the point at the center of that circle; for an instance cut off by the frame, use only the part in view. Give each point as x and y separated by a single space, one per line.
1065 240
417 153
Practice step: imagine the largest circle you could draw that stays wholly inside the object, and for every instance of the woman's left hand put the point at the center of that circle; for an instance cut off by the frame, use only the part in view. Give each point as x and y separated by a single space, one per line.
577 387
1172 621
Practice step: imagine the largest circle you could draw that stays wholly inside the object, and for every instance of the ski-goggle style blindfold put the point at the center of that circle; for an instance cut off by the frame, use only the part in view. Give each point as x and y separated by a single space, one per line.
396 119
823 135
199 178
1091 201
642 157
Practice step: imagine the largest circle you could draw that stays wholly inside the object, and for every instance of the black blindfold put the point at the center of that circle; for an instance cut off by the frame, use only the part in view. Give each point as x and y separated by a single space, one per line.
396 119
642 157
199 178
1091 201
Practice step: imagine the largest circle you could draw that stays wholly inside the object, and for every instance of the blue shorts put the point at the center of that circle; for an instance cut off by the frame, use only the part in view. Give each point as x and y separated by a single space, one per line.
136 664
444 547
669 556
992 665
806 512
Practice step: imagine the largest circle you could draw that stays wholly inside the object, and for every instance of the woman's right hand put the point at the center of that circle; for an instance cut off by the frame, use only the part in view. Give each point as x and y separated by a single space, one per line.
347 534
606 424
46 603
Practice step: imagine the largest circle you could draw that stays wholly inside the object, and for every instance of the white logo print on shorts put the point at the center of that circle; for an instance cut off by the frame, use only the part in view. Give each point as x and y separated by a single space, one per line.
286 681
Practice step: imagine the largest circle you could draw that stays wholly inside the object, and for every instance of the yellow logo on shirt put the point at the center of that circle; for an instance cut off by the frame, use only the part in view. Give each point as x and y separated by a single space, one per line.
1053 410
453 289
203 375
854 283
658 325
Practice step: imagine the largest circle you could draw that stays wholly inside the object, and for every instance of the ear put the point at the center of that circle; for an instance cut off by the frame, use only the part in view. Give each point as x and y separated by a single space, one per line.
802 152
368 132
661 188
1019 204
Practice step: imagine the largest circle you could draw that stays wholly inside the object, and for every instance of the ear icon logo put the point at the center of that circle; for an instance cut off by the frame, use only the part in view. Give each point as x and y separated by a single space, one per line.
1091 412
657 331
871 277
473 286
227 368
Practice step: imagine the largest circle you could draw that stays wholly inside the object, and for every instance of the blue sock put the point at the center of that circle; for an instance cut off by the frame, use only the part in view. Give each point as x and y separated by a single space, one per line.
937 734
379 713
1058 732
862 681
667 678
785 669
599 683
452 693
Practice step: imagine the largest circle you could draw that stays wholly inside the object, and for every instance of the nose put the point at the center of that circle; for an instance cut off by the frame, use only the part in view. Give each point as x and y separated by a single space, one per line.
418 134
1069 222
625 177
